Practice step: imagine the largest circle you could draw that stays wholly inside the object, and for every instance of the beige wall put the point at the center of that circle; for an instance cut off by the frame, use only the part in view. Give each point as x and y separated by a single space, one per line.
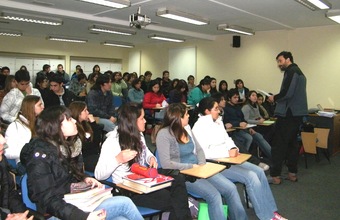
315 50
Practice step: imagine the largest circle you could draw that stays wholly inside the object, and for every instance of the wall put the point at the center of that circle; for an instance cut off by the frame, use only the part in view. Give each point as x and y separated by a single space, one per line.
316 50
30 45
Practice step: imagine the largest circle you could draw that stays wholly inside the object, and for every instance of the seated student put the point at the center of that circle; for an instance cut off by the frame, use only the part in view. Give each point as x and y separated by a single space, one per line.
219 98
10 83
125 146
178 150
23 127
58 94
223 88
78 86
180 93
100 102
251 112
118 86
10 200
215 142
242 91
263 112
199 92
213 88
92 80
11 103
88 132
42 84
153 99
52 169
136 94
233 117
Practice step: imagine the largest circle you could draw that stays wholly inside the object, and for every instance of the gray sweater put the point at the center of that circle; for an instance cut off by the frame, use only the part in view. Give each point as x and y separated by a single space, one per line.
168 150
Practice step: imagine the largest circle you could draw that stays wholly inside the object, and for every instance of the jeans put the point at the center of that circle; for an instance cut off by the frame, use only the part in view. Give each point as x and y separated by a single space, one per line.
120 207
257 187
108 125
211 189
259 140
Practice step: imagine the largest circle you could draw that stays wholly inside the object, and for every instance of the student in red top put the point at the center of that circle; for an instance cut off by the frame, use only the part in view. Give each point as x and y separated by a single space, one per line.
154 97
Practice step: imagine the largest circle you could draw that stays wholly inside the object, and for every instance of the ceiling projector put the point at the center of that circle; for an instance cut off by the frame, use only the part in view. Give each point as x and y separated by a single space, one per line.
138 20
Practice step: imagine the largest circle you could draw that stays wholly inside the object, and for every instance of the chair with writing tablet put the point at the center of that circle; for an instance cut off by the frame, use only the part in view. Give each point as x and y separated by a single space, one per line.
311 141
144 211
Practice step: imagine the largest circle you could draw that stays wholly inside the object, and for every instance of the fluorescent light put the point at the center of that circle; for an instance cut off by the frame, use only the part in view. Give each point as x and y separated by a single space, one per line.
315 4
110 3
10 33
111 30
15 16
164 38
334 15
66 39
235 29
118 44
182 16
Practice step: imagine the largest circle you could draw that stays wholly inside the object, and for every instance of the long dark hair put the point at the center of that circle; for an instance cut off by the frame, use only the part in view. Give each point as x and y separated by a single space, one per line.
172 119
129 135
83 127
48 128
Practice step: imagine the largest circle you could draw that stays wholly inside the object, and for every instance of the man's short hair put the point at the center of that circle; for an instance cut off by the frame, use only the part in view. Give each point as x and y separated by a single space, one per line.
232 92
56 78
46 66
205 81
5 68
286 55
22 75
147 73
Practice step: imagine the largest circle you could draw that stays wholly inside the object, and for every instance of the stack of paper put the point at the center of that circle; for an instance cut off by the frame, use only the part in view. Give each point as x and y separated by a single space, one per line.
326 114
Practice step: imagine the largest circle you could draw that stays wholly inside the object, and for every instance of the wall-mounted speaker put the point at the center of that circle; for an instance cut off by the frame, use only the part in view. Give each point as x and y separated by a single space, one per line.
236 41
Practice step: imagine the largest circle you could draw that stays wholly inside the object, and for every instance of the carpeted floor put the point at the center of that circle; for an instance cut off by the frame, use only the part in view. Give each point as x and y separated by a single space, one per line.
315 196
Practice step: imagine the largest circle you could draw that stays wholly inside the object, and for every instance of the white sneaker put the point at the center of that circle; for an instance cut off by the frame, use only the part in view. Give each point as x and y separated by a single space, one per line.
264 166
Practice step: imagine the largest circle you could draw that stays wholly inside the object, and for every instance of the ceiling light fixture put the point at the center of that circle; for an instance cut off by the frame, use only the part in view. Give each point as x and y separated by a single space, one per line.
15 16
66 39
315 4
111 30
334 15
118 44
182 16
10 33
235 29
163 38
110 3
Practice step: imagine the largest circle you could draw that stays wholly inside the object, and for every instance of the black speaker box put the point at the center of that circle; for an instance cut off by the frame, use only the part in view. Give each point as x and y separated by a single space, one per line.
237 41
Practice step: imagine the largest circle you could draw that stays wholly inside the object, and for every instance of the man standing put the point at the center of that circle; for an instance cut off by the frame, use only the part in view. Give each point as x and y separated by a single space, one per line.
291 106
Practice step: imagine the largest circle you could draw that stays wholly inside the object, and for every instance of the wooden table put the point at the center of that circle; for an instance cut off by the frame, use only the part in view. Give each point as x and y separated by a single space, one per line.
204 171
241 158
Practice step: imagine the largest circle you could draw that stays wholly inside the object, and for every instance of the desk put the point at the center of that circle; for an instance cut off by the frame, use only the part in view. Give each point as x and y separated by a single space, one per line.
334 134
241 158
204 171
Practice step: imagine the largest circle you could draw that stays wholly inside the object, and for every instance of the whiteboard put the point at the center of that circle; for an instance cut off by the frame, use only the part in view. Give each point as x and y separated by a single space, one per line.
182 62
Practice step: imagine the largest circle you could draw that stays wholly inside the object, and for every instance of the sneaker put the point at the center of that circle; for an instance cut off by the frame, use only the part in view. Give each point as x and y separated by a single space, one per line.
264 166
245 200
277 216
292 177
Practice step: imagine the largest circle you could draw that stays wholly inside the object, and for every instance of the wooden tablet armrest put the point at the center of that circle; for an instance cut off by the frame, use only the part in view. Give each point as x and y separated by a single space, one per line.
228 165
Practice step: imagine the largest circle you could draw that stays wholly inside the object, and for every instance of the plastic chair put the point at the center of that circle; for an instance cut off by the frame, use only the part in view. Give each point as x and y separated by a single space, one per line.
24 194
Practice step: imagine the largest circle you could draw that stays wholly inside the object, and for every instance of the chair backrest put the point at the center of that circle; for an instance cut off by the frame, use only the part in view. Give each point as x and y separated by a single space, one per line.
322 136
24 193
309 142
157 157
